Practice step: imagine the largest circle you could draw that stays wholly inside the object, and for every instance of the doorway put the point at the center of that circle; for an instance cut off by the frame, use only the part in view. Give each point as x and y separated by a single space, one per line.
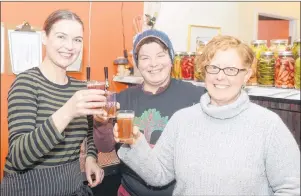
270 27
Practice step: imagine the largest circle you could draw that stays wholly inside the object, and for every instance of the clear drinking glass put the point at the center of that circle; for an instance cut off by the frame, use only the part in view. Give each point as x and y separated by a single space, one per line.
94 84
111 105
125 122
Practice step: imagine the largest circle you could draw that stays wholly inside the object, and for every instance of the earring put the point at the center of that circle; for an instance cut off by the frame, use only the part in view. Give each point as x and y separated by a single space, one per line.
243 86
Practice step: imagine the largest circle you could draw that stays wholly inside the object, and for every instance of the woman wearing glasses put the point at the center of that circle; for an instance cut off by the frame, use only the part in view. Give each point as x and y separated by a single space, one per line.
225 145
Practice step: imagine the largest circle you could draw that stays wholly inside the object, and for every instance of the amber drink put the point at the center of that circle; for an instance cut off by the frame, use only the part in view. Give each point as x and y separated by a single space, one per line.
125 122
111 104
93 84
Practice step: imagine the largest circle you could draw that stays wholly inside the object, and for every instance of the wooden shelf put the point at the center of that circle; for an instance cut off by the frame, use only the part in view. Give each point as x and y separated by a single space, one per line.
272 92
128 79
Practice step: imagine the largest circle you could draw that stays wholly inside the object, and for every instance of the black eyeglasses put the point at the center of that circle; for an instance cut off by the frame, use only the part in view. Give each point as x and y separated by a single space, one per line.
229 71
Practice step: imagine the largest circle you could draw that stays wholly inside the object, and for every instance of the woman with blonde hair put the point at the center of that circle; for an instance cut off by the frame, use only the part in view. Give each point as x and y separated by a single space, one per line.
225 145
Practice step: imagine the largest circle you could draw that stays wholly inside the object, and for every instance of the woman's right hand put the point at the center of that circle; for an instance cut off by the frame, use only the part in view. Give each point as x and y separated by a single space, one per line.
136 134
86 102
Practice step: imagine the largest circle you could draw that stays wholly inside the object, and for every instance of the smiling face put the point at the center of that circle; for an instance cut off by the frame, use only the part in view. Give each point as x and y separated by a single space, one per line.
64 42
224 86
154 64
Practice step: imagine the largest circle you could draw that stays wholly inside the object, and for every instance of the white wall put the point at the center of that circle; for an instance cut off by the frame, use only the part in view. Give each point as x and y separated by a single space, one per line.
174 18
235 18
248 12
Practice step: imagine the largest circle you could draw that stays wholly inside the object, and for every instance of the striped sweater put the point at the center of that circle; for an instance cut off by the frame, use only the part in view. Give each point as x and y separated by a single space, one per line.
34 141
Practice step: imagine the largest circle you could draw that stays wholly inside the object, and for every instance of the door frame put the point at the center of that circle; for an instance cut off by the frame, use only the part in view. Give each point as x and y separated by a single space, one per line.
292 24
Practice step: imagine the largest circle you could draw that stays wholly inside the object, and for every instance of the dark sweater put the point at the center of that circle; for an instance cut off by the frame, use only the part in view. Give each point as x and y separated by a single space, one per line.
152 112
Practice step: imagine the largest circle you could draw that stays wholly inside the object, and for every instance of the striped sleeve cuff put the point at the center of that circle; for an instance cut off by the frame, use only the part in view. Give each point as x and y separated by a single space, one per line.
58 137
92 154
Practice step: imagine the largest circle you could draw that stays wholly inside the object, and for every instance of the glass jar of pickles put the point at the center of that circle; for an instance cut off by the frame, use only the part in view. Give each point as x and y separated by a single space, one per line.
253 79
176 71
278 45
258 46
285 70
200 45
266 68
297 71
198 75
187 66
296 48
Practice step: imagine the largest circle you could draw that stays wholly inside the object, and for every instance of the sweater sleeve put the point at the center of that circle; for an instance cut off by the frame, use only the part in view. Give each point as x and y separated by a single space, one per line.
282 160
155 166
103 137
103 133
27 142
90 140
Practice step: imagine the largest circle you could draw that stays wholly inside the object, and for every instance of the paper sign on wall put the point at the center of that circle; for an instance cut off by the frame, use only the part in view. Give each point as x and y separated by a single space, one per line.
25 50
2 48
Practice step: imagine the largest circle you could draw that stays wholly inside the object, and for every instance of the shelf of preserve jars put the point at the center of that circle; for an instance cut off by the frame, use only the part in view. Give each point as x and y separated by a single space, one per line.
272 92
276 69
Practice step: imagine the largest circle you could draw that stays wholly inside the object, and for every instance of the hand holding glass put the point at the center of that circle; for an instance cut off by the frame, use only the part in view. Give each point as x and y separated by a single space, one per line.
110 107
123 131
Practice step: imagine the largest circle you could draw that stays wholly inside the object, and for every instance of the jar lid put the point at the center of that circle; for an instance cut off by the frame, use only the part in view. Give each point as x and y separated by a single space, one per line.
184 53
191 53
297 41
267 53
259 42
285 53
121 61
203 42
279 41
178 53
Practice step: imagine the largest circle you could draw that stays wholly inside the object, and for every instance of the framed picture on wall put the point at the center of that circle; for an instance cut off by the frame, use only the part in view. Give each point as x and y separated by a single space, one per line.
197 33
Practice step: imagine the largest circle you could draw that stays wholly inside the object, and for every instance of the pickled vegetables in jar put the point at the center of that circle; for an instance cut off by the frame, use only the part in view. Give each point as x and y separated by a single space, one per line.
296 48
279 45
297 72
266 69
187 66
253 79
198 75
285 70
258 46
176 71
200 45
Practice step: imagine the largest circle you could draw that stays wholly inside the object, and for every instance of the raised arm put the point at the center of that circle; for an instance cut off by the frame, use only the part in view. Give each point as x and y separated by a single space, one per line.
155 166
103 136
27 142
92 151
103 129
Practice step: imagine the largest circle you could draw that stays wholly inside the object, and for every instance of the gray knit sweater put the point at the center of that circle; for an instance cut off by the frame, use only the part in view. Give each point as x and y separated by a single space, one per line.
237 149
